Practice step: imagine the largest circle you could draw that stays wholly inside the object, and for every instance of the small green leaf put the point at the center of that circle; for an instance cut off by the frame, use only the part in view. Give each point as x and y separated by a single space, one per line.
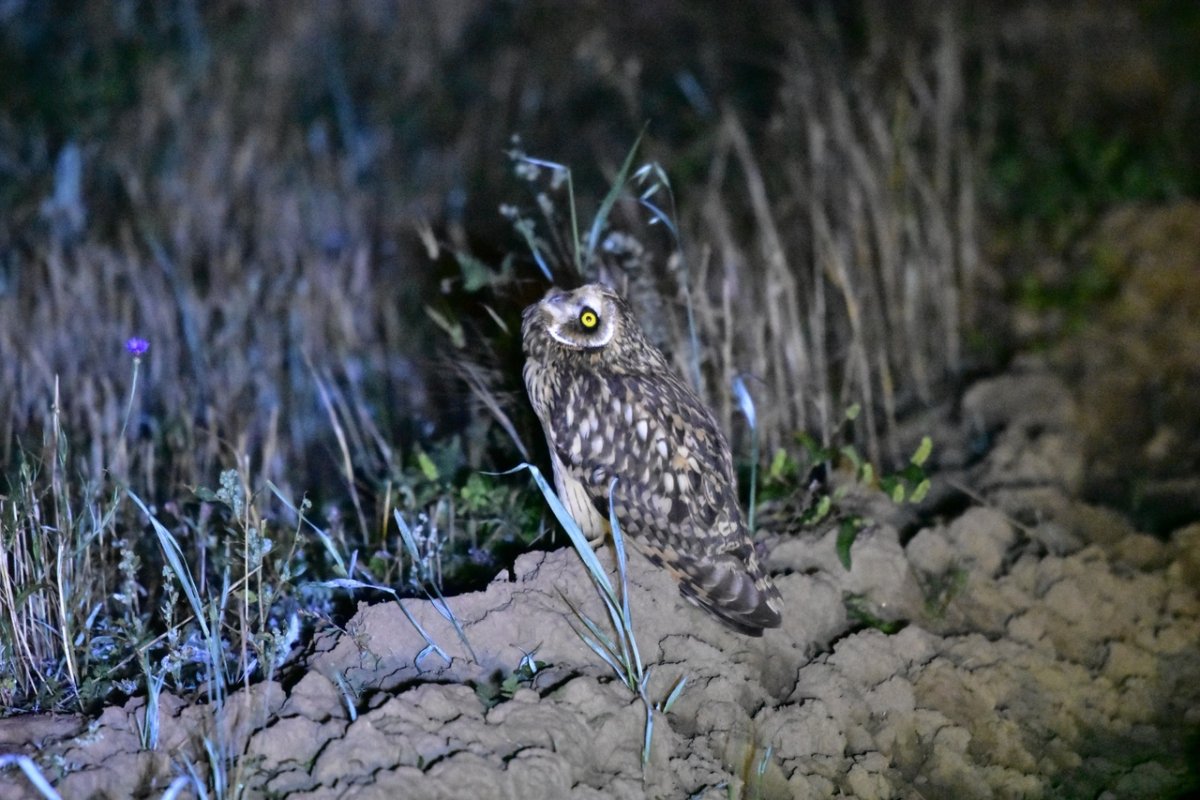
847 533
923 451
859 608
817 512
453 328
778 466
815 451
475 273
476 494
919 493
866 473
897 493
501 324
823 507
850 454
488 694
426 465
853 411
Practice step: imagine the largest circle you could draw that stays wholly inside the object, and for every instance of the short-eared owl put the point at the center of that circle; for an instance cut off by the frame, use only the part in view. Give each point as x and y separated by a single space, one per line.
611 406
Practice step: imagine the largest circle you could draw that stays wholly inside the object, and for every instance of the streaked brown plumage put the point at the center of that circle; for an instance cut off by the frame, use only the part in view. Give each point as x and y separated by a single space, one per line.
611 406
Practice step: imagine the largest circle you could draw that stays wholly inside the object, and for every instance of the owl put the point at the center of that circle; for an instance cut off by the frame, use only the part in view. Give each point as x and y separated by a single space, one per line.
612 407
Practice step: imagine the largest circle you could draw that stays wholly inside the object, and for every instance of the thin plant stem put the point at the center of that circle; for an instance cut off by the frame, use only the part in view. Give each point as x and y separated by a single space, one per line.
137 362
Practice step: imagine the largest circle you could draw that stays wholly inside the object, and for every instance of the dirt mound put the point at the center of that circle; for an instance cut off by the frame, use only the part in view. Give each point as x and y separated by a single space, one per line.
1137 365
1050 651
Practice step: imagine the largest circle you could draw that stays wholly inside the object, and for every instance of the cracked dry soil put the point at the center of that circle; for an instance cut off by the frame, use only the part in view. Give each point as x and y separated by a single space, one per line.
1050 652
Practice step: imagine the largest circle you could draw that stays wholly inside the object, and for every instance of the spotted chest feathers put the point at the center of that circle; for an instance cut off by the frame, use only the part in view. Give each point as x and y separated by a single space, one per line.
611 407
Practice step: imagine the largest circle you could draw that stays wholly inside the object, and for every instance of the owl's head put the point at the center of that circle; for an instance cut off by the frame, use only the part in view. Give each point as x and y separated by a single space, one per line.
588 318
592 325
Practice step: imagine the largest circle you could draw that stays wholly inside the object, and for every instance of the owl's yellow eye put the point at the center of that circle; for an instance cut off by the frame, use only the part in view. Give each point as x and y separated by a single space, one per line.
588 319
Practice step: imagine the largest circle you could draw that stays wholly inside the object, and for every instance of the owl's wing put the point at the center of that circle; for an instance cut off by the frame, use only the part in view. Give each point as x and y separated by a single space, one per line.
675 496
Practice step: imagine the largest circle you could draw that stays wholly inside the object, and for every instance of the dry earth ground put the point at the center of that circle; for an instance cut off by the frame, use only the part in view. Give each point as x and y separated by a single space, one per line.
1051 651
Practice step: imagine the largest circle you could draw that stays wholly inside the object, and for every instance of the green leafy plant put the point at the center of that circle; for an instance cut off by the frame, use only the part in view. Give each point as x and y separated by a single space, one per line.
860 610
909 484
494 692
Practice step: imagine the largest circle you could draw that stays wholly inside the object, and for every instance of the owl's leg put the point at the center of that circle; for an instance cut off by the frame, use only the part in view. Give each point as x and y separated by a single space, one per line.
579 503
603 532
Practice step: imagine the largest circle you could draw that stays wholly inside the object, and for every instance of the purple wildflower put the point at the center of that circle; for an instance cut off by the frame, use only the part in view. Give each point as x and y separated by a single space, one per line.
137 346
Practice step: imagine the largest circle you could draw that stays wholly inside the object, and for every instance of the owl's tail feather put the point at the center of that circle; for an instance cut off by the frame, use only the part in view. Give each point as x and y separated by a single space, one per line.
737 591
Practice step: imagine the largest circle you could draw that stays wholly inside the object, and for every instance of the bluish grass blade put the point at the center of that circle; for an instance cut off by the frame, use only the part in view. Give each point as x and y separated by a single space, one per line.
194 777
621 655
745 404
32 774
649 731
175 787
526 231
658 216
766 758
174 555
569 525
406 536
575 221
347 695
326 542
542 162
443 608
674 695
350 583
437 598
619 546
600 644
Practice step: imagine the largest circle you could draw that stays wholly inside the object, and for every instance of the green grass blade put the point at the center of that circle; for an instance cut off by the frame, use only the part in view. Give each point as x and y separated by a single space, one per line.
610 199
923 450
847 533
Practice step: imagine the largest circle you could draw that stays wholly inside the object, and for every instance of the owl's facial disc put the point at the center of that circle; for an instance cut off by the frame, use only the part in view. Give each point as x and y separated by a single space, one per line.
583 319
